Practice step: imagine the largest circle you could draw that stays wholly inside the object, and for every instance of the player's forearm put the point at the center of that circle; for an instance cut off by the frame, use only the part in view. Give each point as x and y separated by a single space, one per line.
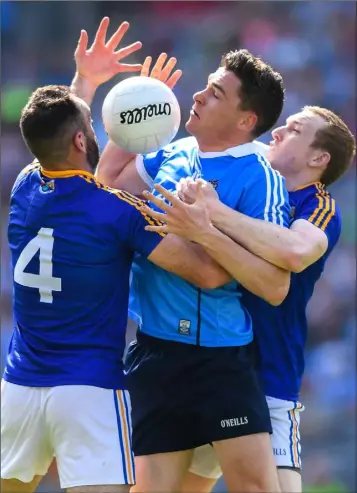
276 244
83 88
256 274
111 164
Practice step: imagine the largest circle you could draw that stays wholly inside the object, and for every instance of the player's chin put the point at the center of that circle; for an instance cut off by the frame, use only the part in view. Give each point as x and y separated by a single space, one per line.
190 125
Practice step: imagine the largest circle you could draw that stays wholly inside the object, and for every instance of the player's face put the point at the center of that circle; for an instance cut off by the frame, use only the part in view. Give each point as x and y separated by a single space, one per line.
92 146
215 117
290 150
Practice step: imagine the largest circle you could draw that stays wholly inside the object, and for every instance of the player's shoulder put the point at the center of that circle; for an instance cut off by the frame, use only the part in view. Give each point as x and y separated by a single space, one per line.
316 203
186 144
24 175
113 198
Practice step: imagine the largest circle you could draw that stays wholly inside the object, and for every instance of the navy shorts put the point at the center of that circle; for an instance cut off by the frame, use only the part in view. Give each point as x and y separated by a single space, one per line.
184 396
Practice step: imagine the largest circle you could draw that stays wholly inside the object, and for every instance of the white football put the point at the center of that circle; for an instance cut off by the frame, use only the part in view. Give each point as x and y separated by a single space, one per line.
141 114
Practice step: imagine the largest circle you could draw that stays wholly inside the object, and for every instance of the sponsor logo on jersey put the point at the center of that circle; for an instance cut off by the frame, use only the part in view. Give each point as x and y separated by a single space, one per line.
228 423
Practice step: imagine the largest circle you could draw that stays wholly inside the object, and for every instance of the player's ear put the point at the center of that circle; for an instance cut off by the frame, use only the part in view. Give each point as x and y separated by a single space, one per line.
247 121
320 159
79 142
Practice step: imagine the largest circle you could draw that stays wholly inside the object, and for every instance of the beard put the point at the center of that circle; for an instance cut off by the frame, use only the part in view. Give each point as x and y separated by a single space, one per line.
92 152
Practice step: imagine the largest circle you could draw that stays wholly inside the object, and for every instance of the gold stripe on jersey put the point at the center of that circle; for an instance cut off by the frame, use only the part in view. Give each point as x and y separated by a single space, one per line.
325 209
126 197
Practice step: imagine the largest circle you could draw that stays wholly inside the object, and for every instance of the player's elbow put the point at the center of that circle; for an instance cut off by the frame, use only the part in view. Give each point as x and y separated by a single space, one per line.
214 279
275 296
296 260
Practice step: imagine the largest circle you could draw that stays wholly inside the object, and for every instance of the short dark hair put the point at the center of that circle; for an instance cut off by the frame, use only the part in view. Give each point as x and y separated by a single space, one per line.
336 139
49 122
261 90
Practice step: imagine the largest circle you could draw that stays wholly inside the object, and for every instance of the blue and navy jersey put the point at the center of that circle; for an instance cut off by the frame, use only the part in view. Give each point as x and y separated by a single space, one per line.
280 332
168 307
72 243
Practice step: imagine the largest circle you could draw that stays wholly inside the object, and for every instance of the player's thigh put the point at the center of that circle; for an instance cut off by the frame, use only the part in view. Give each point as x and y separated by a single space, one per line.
164 473
235 418
91 435
26 451
204 465
107 488
16 486
194 483
290 480
247 463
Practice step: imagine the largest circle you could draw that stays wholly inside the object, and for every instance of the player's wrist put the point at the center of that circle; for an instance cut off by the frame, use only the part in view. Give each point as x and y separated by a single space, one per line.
83 87
216 212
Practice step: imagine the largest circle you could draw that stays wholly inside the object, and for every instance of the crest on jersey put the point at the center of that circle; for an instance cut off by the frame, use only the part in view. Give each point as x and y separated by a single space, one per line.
292 212
214 183
47 187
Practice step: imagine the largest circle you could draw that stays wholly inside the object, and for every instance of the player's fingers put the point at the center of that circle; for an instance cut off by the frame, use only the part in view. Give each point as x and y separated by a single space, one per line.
159 216
82 44
102 32
166 71
128 50
124 67
117 36
158 229
156 71
161 204
146 67
175 77
168 195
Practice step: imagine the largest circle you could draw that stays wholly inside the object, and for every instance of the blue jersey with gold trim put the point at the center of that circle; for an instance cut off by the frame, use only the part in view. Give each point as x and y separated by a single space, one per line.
280 332
72 242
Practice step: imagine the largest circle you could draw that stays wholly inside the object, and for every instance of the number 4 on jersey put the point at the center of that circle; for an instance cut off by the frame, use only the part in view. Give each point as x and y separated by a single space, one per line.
44 281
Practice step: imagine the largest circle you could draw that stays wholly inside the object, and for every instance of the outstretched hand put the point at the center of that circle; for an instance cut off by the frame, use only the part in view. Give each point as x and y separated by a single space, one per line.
189 221
161 73
101 61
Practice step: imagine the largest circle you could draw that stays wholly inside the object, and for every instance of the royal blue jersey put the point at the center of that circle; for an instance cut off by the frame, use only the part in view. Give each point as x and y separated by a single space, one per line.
167 306
72 242
280 332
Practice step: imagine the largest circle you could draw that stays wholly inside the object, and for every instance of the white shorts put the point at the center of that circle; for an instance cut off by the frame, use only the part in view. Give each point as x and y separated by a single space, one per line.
87 429
285 440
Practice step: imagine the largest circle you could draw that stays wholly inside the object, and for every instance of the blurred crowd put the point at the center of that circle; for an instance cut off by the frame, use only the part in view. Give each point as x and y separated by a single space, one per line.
313 45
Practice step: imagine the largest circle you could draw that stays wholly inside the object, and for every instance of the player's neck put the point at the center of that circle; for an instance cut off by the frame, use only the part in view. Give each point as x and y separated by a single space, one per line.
294 182
66 166
222 146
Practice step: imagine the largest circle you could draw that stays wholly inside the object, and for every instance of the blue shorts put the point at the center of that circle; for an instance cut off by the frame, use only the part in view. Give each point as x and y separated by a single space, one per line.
184 396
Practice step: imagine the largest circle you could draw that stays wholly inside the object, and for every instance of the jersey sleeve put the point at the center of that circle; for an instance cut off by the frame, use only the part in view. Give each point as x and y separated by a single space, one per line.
320 209
131 222
265 196
147 165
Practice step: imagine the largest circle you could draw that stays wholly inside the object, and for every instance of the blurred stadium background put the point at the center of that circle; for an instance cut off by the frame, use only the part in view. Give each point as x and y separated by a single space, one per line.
313 45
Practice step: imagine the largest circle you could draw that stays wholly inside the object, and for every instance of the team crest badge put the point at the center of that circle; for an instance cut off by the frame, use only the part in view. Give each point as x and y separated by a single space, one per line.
47 187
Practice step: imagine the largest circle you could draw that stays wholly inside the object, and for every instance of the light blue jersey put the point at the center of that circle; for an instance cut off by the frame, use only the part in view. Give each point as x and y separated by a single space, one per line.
166 306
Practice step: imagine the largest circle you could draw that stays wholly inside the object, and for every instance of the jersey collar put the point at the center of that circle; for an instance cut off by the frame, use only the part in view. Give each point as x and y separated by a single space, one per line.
65 174
238 151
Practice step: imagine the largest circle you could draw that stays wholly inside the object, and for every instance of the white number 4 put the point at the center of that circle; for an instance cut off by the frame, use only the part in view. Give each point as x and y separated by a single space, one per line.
44 281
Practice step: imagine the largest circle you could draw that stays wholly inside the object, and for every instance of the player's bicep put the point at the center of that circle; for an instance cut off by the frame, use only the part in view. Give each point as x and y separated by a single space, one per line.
131 180
313 241
189 261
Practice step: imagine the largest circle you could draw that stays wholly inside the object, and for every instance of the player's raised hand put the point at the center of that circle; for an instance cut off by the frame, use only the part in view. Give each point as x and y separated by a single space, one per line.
160 72
102 60
188 221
